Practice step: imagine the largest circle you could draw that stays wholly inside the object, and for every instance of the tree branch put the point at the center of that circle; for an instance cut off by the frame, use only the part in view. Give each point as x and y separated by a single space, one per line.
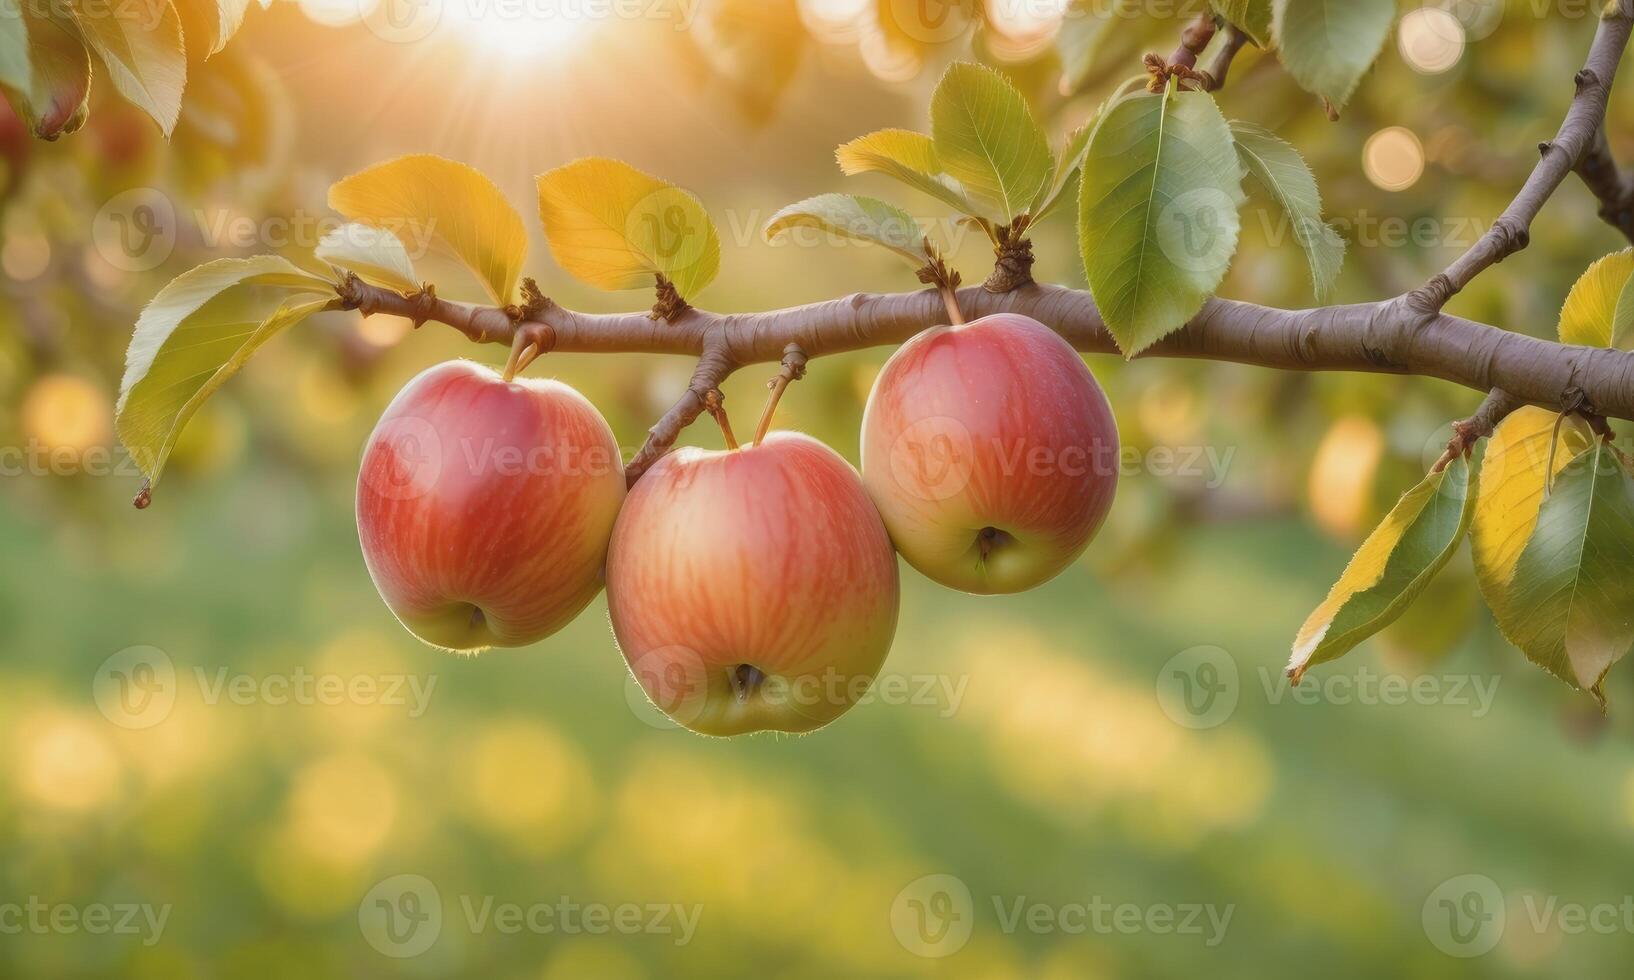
1612 185
1587 113
1389 337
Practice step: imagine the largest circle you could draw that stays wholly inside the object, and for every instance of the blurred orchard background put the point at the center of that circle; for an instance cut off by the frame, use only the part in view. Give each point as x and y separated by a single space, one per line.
209 719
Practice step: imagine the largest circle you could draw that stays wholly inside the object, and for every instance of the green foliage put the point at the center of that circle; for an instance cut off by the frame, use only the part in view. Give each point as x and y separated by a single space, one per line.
1392 568
195 334
1157 212
907 156
863 219
1570 605
1328 46
1283 173
987 139
615 227
1252 17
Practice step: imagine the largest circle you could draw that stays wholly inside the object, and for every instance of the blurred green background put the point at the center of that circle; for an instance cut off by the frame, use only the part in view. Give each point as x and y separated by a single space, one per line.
209 719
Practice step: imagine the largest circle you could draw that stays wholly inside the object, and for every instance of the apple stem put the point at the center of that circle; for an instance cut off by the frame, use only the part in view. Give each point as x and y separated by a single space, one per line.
794 368
715 403
522 354
951 300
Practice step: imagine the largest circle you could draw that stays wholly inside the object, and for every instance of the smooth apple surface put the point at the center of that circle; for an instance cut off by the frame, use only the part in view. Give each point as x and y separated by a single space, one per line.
754 589
485 508
991 452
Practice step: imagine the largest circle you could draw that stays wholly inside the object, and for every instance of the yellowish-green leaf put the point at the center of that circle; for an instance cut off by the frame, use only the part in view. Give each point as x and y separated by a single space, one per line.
1157 212
141 46
195 334
1599 312
615 227
53 99
1252 17
1393 566
1570 605
432 203
1085 26
1514 473
909 157
373 253
1282 171
849 216
14 62
1327 45
987 139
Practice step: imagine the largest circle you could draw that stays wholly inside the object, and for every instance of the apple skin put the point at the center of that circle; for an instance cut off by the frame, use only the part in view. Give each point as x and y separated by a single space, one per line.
991 452
484 508
769 557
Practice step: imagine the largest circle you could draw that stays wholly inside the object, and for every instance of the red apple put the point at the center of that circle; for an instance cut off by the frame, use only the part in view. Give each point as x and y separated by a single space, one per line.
754 589
485 507
991 453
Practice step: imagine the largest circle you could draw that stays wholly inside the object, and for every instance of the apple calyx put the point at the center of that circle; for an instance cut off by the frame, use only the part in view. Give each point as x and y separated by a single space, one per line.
746 680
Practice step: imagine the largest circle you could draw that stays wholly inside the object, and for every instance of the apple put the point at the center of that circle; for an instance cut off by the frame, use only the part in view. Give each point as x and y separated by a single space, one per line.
991 453
484 507
753 589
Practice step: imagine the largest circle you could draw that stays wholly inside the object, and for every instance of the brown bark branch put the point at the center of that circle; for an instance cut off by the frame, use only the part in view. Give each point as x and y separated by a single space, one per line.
1613 185
1586 114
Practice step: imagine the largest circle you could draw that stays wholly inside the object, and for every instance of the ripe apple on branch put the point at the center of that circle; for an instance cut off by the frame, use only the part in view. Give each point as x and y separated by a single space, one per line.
757 588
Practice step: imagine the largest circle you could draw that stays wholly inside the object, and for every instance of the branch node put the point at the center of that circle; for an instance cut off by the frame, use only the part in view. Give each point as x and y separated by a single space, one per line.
671 304
425 305
1428 299
1014 266
1584 78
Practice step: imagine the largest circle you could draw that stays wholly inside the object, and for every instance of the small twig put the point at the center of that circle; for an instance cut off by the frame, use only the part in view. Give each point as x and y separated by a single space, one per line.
794 368
936 273
1499 404
1232 41
1194 38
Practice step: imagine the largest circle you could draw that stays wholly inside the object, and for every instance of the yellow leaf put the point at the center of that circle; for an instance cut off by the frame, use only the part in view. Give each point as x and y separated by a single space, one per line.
430 202
1513 475
1592 311
1413 543
141 46
615 227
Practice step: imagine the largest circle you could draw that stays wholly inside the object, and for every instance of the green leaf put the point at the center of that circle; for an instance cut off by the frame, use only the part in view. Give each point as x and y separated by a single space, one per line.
53 98
142 52
862 219
429 203
1084 27
1252 17
373 253
909 157
1570 605
987 139
1278 166
1393 566
195 334
1157 212
1327 45
1600 310
615 227
1514 473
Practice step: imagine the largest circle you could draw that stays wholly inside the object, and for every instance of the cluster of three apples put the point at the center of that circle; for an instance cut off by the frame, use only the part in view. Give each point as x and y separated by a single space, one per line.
749 589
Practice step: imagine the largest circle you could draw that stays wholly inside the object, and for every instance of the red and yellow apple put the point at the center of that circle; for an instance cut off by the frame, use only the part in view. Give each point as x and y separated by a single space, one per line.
754 589
485 507
991 453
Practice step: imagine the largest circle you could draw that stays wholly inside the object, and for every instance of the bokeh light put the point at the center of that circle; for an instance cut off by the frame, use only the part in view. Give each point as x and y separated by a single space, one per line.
1431 40
1393 158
